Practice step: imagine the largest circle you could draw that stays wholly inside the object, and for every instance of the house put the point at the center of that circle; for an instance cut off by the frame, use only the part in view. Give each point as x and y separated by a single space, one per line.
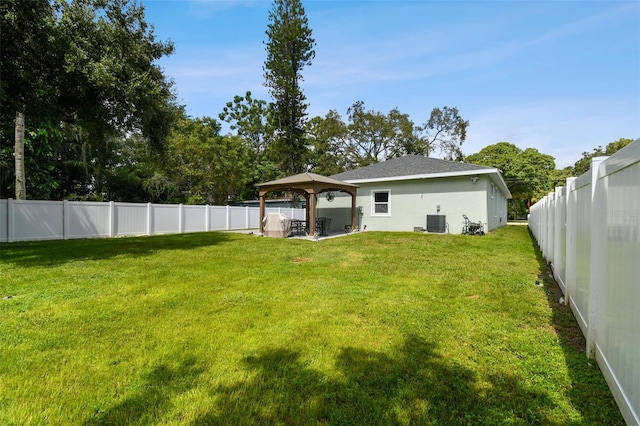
399 194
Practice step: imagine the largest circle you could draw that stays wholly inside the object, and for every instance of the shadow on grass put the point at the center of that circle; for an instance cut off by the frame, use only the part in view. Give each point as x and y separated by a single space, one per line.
414 385
164 382
53 253
589 394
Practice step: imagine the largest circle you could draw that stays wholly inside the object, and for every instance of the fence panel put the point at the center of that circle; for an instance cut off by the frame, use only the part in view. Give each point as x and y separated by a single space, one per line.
571 244
36 220
533 220
165 219
254 218
580 298
618 339
549 226
130 219
590 230
87 219
560 237
194 218
218 218
33 220
4 221
238 217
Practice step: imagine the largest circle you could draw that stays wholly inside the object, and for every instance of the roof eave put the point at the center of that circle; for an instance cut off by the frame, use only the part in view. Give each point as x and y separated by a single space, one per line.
492 171
423 176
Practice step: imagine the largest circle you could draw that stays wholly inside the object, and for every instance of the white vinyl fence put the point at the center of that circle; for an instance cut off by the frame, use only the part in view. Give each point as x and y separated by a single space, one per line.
54 220
590 231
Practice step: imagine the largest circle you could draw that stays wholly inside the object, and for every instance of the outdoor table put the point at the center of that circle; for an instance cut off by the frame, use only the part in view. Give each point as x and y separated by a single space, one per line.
298 225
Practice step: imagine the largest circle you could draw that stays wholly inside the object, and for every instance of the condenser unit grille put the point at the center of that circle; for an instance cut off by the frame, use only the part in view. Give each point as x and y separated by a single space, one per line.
436 223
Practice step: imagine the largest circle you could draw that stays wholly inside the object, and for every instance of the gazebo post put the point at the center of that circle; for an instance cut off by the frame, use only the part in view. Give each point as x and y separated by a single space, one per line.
311 211
262 211
307 207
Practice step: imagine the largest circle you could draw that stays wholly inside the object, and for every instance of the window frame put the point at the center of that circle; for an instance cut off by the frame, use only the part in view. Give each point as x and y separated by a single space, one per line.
374 203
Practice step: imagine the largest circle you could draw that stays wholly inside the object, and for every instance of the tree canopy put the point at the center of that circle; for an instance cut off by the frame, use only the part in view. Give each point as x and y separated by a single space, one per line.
82 72
370 136
446 131
207 167
584 163
527 172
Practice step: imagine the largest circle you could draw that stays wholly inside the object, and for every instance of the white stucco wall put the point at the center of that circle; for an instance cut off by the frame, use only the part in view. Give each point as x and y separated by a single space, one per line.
411 202
496 206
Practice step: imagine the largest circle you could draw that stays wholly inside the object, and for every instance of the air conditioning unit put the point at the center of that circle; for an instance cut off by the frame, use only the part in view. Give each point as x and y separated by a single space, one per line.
436 223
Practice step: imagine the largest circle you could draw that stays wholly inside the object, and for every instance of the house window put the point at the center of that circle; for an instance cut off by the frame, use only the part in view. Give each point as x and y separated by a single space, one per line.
380 205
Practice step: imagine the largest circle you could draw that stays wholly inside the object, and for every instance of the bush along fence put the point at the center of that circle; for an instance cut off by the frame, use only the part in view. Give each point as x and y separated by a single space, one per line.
589 230
31 220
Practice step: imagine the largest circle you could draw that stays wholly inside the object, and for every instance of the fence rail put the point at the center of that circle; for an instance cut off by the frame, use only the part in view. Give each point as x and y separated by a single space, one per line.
590 232
33 220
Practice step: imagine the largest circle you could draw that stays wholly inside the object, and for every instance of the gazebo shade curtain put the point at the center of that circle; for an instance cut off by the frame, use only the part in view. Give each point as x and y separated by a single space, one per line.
309 185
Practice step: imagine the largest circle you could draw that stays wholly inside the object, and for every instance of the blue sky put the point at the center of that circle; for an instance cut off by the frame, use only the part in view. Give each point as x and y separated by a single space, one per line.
559 76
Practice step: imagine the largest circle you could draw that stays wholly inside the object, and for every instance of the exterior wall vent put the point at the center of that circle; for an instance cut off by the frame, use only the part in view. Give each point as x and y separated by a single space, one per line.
436 223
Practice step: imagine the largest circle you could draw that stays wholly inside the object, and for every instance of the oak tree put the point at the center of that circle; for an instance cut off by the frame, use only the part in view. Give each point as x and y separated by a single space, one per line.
327 137
446 131
85 70
527 173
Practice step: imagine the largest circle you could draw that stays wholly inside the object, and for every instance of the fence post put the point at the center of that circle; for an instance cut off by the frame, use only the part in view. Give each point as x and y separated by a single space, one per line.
228 218
65 219
207 218
180 219
150 229
246 217
10 221
112 219
598 255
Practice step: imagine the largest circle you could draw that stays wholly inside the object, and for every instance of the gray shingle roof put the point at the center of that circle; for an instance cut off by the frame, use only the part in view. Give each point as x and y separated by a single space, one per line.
409 165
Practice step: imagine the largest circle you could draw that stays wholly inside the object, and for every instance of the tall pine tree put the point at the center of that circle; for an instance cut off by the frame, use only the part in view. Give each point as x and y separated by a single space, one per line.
289 50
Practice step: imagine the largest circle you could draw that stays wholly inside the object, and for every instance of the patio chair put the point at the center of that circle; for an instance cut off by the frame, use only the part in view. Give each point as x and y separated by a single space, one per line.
327 225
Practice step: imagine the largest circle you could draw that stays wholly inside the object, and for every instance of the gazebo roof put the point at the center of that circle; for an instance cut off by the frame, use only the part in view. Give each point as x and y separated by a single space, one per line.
306 181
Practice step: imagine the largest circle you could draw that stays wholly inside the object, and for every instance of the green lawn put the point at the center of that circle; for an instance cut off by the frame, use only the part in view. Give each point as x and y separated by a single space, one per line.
211 328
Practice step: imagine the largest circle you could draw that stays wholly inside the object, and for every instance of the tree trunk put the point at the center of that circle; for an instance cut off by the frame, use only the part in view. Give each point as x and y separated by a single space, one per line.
21 191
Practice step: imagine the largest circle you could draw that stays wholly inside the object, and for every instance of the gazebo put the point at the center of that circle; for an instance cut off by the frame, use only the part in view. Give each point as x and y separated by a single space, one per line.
309 185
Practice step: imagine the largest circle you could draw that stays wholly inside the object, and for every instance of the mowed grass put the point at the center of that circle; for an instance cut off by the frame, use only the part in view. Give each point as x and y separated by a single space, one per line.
221 328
